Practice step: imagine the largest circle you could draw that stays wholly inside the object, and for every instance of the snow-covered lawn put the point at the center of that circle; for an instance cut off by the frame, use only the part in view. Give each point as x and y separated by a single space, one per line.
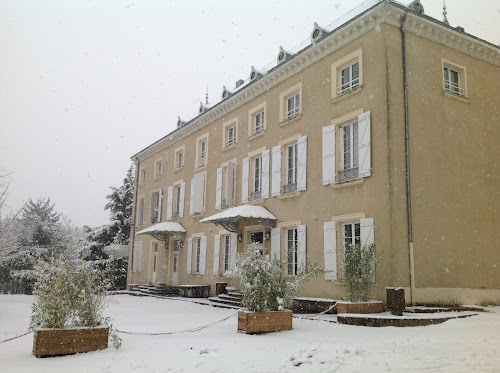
463 345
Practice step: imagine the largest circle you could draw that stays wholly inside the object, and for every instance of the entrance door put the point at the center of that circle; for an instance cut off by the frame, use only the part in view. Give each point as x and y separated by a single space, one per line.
155 263
175 263
258 238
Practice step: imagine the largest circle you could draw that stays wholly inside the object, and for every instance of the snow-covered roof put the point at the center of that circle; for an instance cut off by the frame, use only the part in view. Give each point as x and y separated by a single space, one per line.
163 228
244 211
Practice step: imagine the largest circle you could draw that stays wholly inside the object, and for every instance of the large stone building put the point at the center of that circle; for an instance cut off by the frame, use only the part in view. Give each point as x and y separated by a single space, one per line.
383 130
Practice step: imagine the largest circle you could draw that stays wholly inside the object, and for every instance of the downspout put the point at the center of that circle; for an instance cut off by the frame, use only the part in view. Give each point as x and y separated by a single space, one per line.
132 223
407 148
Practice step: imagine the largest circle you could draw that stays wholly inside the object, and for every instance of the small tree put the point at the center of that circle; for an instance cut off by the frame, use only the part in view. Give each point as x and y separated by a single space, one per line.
359 271
265 284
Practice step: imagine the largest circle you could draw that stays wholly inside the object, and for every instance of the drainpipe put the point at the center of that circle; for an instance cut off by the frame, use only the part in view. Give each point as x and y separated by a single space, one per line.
133 219
407 147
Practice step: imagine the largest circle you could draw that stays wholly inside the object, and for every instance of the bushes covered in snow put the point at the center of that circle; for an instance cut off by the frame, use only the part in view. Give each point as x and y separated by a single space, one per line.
358 271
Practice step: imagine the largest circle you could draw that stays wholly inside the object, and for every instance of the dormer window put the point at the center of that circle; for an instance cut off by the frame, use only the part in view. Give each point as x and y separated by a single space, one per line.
180 122
255 74
226 92
283 55
317 33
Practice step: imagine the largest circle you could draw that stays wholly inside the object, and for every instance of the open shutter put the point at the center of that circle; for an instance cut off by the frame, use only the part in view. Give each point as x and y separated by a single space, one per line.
181 201
330 249
244 181
230 184
275 243
170 197
218 189
265 174
328 155
189 255
364 144
216 254
302 163
301 247
203 254
276 182
152 209
233 249
160 201
368 237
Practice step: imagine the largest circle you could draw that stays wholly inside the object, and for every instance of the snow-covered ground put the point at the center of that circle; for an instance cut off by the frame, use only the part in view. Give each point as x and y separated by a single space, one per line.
462 345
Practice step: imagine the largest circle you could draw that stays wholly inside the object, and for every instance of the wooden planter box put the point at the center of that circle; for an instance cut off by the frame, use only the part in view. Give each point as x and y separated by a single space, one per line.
360 307
264 322
53 342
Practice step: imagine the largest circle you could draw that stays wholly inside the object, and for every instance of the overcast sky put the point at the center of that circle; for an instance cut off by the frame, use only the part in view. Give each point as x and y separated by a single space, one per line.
85 84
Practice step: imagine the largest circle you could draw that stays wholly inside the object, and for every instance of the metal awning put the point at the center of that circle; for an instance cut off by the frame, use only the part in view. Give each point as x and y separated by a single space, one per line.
229 218
159 230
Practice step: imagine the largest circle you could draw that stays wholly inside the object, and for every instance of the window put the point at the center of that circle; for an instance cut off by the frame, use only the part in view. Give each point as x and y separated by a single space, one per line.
257 181
350 154
349 78
198 255
155 213
347 74
177 201
452 81
141 211
179 158
292 256
227 246
143 176
291 169
352 234
258 123
225 185
231 135
292 106
202 155
158 168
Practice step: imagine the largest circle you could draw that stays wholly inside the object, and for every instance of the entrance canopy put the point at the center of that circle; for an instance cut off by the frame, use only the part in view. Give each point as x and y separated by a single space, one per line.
229 218
159 230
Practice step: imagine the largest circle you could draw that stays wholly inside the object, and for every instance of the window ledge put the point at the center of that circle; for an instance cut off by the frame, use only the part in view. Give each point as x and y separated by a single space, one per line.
454 96
289 195
259 201
288 121
226 148
178 169
347 183
261 133
346 95
201 168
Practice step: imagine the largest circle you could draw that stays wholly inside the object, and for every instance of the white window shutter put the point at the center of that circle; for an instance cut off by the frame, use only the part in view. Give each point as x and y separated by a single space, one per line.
244 180
328 154
191 198
137 256
302 163
330 249
203 255
301 247
197 192
265 174
216 254
233 249
189 255
218 189
170 197
181 201
275 243
364 144
276 181
160 201
367 235
152 207
230 183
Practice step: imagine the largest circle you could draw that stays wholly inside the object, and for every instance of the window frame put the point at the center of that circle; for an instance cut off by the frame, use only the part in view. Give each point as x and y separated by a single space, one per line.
348 86
226 252
336 74
256 176
179 152
143 176
227 142
284 112
158 168
352 126
292 268
461 89
201 154
197 256
294 162
259 111
355 226
140 214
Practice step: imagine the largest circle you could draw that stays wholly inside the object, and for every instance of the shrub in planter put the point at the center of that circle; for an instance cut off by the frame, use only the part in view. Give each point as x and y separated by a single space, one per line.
71 296
358 271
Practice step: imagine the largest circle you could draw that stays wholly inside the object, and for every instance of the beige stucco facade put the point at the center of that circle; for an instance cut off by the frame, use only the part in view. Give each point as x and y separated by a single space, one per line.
453 138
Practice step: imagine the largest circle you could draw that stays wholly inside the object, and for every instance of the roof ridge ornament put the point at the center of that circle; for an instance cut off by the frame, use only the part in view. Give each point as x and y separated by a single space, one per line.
417 7
445 20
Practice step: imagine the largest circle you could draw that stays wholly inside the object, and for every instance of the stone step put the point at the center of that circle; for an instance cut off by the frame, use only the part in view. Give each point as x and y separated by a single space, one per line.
230 297
235 294
225 301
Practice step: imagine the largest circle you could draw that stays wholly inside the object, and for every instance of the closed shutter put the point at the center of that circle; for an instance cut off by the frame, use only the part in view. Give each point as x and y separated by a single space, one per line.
216 254
368 237
301 247
203 254
328 155
302 163
364 144
170 198
152 209
189 255
330 249
244 180
265 174
233 249
137 257
230 184
191 198
160 201
275 243
218 189
276 182
181 201
197 193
